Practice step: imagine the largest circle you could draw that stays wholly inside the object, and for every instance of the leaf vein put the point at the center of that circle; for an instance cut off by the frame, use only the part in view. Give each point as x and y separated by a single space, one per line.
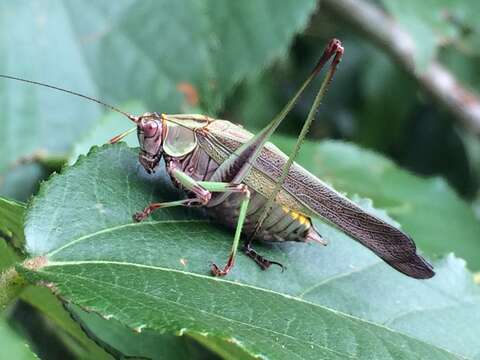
119 227
336 277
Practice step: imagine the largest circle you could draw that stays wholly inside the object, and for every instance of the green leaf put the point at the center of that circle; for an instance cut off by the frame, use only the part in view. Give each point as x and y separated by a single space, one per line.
118 337
11 223
122 341
65 327
12 346
11 220
11 231
119 51
7 255
382 87
112 336
427 208
155 275
225 349
464 65
464 15
426 21
11 284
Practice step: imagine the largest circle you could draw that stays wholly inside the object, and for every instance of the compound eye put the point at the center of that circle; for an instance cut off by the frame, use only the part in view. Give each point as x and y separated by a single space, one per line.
150 128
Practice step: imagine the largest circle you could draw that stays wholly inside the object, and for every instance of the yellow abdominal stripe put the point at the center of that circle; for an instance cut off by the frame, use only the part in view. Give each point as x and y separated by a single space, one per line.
302 219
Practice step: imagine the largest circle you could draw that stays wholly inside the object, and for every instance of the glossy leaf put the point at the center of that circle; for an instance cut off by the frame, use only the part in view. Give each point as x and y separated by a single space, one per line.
155 275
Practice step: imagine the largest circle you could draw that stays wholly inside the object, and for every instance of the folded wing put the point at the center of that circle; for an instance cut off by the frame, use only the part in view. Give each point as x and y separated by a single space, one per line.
317 198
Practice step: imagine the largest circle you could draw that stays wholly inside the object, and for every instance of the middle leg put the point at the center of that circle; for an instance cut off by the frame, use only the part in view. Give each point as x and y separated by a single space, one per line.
230 188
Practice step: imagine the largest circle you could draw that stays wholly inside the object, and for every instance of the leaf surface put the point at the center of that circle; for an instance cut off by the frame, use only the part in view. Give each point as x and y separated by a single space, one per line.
336 302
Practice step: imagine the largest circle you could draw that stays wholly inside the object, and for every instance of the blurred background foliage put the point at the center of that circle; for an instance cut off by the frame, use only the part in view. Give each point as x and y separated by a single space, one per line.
376 101
407 86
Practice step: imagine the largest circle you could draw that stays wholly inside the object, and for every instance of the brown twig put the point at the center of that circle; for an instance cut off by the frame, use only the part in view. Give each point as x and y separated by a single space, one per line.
436 80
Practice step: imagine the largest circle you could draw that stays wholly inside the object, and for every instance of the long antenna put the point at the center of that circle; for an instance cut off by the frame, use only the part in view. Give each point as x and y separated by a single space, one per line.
135 119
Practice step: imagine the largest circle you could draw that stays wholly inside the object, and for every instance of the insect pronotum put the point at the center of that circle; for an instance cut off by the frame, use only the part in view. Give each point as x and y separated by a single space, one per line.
248 184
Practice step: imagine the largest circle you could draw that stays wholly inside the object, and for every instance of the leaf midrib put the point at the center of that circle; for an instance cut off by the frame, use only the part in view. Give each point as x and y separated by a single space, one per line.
118 227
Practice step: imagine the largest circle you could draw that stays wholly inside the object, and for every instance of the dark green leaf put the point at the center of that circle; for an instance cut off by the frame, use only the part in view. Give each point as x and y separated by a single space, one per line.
7 255
122 341
155 275
226 350
63 325
11 231
11 219
476 206
426 22
383 85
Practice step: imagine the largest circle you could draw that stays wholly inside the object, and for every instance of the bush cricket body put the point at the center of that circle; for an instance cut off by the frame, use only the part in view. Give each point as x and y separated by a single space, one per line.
249 185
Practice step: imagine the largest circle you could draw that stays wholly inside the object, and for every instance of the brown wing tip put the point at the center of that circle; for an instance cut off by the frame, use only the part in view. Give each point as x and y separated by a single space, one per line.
417 267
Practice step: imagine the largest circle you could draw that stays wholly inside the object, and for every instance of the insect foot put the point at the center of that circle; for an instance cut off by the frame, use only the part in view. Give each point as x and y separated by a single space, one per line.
140 216
216 271
262 262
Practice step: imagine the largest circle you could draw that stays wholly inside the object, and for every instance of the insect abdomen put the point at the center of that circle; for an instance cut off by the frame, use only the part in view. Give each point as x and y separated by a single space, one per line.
282 224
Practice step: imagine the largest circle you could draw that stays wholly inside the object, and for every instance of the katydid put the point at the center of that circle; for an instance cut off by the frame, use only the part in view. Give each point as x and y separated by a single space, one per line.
246 183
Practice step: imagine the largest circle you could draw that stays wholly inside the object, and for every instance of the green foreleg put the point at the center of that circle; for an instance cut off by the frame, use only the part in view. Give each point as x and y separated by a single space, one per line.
203 191
202 196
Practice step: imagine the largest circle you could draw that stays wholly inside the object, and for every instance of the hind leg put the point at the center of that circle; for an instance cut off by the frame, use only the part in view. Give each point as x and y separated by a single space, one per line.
262 262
